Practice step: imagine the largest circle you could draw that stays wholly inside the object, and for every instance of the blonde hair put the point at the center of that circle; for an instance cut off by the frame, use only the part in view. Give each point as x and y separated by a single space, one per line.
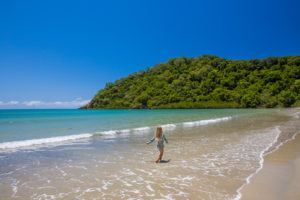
158 133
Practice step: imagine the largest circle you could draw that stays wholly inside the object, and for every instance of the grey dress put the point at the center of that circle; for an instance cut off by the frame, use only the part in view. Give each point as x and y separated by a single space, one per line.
160 142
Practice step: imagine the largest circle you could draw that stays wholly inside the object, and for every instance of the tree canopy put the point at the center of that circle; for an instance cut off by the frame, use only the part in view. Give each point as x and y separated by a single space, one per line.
207 82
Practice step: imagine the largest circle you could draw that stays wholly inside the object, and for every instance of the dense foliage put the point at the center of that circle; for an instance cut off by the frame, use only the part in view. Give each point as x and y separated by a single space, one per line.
207 82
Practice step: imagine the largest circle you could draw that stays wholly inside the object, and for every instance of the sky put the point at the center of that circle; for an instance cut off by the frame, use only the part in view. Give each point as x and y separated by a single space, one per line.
58 54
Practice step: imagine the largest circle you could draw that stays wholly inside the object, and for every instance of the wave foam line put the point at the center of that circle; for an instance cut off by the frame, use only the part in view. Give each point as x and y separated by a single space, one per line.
26 143
205 122
142 129
261 163
168 127
282 143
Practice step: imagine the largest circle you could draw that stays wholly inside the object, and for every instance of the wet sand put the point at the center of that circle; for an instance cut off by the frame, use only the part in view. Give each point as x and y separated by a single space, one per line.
279 179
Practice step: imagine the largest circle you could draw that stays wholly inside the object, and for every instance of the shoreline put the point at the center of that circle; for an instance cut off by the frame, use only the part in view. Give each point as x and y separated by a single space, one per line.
187 107
280 174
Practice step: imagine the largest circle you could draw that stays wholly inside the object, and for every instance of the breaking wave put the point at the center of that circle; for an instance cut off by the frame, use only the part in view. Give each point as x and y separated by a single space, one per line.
110 133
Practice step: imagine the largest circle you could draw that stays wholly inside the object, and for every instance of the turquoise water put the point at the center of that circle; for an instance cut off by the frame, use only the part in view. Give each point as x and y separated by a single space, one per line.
19 125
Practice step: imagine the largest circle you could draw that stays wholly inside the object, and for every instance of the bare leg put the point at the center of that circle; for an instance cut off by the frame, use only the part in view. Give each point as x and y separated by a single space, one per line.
161 153
157 160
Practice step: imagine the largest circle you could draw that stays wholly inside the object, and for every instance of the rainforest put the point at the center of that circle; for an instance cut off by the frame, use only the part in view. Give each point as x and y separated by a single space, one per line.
206 82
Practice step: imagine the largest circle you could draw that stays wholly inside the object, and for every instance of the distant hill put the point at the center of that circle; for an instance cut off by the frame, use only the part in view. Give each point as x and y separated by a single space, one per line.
207 82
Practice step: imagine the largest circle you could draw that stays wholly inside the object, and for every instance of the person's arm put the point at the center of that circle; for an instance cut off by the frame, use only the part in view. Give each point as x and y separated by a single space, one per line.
150 141
164 137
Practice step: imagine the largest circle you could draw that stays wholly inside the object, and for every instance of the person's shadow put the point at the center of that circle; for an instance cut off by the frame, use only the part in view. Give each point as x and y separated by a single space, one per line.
165 161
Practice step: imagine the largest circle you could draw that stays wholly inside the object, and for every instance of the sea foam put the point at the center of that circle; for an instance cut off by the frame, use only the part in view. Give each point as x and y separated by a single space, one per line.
26 143
205 122
142 129
168 126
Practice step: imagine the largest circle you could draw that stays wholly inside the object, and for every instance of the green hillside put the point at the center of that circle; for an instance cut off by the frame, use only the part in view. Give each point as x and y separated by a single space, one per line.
207 82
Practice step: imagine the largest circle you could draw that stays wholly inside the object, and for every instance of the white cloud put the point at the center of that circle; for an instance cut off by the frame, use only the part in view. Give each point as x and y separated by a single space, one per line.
8 103
44 104
32 103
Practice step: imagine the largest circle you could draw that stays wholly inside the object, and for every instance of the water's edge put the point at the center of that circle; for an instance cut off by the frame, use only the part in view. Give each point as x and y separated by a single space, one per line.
283 137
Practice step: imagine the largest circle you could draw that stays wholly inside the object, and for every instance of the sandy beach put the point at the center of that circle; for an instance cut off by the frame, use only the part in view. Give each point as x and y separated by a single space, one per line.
280 176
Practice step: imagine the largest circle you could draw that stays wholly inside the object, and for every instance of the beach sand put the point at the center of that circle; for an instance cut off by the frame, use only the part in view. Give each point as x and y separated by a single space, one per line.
279 179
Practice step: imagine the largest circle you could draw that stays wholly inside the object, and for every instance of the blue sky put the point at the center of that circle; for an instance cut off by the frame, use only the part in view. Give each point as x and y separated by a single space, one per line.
60 53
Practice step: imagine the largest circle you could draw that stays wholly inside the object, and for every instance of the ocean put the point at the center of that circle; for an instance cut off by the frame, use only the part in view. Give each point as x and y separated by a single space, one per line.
101 154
